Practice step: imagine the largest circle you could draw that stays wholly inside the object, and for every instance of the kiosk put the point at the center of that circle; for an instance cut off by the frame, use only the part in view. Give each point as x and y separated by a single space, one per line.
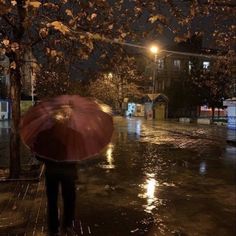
231 112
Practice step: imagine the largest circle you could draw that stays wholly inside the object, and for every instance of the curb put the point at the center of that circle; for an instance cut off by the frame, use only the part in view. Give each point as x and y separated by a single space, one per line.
36 179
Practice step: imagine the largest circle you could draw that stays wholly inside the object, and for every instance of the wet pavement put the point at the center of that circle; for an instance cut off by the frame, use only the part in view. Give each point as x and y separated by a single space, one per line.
155 178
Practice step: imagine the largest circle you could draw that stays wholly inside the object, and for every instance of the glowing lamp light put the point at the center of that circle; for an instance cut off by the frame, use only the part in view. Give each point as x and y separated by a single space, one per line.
154 49
110 75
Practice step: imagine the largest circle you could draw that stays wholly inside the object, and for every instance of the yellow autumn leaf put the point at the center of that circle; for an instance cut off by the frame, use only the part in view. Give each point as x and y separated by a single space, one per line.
48 50
69 12
91 4
13 2
6 42
89 35
103 55
81 36
123 35
88 43
83 55
138 9
153 19
53 53
60 26
13 65
51 5
43 32
71 22
4 9
192 11
96 36
60 54
35 4
159 17
14 46
110 26
2 51
94 15
179 39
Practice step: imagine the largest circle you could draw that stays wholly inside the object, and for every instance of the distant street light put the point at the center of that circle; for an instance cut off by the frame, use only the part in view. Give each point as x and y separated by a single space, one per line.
110 75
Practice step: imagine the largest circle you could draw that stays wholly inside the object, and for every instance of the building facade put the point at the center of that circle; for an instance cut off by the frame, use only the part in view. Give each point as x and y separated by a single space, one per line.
173 73
4 77
28 75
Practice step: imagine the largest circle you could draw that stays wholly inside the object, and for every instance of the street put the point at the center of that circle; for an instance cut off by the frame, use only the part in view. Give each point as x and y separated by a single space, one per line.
154 178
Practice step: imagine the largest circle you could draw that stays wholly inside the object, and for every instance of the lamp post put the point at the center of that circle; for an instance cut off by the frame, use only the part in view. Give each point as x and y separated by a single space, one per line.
32 88
154 50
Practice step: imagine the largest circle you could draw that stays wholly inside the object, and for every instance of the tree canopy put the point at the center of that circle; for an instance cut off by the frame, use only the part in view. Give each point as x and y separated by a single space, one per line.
88 22
214 84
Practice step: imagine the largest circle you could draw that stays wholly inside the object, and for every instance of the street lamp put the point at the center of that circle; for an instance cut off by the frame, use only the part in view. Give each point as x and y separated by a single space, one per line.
154 50
32 87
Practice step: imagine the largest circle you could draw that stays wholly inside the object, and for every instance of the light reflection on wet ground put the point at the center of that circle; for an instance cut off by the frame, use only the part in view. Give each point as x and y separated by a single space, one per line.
161 179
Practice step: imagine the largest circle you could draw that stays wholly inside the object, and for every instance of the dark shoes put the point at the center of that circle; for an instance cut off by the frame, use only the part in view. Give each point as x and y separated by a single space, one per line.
54 234
69 231
66 230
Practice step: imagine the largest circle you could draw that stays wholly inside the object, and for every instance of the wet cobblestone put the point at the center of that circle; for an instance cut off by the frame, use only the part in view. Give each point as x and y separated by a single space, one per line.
154 179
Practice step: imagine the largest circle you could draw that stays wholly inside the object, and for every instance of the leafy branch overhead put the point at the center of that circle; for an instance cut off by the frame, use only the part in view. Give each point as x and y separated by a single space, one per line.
116 21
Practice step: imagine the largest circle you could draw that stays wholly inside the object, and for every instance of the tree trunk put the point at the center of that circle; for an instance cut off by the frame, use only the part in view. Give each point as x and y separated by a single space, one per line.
212 113
15 89
15 94
198 111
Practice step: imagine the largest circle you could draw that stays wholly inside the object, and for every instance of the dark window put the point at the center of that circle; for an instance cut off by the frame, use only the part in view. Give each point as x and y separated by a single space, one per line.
4 106
2 79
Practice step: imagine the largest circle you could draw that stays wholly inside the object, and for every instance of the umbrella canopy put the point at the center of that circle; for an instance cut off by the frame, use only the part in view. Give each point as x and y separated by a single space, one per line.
67 128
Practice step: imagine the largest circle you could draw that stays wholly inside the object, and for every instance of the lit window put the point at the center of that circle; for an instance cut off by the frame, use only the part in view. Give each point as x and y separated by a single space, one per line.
190 66
160 64
206 65
177 64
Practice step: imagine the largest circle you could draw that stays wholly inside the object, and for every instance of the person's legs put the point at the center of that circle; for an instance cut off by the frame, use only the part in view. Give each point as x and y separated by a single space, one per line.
52 188
69 195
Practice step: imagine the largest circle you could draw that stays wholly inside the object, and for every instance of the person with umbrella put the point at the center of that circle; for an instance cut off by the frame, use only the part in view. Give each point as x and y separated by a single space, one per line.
60 132
58 175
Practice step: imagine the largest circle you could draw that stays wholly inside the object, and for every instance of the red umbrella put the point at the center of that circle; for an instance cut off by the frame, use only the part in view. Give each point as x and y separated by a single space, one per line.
67 128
